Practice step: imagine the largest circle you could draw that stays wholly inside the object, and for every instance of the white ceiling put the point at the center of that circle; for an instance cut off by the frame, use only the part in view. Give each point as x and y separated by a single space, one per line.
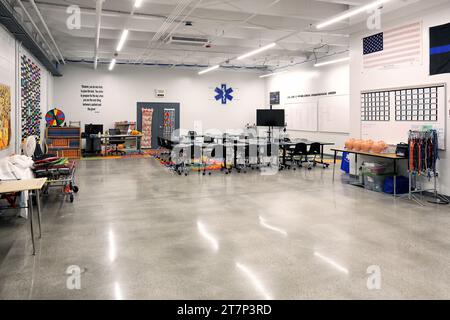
233 27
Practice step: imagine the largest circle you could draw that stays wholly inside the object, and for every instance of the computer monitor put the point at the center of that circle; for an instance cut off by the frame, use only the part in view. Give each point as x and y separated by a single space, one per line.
93 129
270 118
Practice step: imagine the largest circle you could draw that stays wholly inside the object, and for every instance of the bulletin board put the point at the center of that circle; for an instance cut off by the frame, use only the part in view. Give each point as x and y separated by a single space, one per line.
388 114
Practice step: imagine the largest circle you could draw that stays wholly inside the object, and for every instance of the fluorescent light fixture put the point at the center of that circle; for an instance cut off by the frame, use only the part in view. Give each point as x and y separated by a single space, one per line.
138 3
331 62
252 53
272 74
331 262
351 13
209 69
112 64
122 40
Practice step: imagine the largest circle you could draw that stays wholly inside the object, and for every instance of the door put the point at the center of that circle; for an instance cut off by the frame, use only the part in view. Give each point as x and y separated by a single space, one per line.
157 119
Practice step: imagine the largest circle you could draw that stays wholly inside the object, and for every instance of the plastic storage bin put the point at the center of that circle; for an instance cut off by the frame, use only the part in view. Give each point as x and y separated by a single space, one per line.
402 185
374 182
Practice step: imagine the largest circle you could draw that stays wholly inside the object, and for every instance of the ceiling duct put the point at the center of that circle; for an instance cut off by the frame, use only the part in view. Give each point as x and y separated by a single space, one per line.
12 22
188 41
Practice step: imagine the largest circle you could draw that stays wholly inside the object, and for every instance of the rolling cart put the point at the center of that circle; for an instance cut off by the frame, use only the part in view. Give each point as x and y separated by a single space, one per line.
60 173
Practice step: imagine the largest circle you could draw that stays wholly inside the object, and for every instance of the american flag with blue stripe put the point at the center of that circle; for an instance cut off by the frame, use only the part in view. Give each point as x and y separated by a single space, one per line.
393 47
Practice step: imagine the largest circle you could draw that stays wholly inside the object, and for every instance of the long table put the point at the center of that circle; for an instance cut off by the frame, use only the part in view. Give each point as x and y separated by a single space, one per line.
107 137
14 186
236 141
389 156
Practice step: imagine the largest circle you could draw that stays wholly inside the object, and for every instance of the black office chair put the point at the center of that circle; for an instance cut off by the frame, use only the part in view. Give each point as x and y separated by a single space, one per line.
299 155
243 156
116 142
286 148
194 158
165 150
210 152
315 150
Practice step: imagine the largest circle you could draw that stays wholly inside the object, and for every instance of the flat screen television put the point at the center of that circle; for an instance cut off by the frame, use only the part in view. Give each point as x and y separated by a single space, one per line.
270 118
275 98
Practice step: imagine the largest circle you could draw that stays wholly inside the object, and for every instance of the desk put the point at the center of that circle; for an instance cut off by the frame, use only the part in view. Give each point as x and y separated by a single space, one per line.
286 144
13 186
106 137
389 156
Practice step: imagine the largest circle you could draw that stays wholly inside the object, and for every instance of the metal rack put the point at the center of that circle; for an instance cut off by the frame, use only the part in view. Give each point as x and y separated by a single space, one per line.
427 166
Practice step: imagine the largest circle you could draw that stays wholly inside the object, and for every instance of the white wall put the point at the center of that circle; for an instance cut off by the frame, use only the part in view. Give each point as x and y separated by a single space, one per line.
308 79
406 76
9 53
127 85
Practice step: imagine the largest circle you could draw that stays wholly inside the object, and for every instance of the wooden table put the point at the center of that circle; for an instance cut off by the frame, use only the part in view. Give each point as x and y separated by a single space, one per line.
390 156
13 186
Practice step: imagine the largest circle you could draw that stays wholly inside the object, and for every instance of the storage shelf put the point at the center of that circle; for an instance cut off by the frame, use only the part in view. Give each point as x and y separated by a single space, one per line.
62 144
63 137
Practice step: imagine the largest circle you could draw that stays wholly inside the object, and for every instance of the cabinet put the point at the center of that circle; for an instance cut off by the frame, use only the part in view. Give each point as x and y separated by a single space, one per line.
64 141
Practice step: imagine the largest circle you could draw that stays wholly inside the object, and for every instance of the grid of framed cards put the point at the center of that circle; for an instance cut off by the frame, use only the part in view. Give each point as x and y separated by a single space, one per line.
375 106
416 104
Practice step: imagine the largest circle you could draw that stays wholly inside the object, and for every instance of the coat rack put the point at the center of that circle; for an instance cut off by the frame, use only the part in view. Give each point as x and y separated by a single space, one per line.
423 157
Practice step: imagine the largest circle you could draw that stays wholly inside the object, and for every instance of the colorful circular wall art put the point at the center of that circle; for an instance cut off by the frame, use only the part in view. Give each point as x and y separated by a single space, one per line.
55 118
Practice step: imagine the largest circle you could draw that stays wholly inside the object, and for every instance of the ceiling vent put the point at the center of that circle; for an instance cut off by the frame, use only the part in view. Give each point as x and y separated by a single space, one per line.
198 42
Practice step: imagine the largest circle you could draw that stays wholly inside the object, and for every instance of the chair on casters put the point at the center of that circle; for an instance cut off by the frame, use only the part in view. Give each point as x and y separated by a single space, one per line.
315 150
299 153
187 159
287 151
116 142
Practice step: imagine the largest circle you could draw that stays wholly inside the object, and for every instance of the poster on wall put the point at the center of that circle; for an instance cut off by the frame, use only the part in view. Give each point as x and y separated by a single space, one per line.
224 94
92 97
5 116
440 49
31 115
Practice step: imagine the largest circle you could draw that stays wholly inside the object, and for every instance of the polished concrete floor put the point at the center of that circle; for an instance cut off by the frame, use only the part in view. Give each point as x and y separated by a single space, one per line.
137 231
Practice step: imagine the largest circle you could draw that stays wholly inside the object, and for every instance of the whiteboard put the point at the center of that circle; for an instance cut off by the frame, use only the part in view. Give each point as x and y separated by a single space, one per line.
301 116
394 131
334 114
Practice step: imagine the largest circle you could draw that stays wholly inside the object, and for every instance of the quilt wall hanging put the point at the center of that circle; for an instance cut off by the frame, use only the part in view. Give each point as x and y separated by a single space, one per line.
5 116
31 98
147 120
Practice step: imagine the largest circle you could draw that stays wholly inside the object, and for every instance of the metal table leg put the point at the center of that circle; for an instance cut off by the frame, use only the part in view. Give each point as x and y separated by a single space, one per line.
30 216
395 178
334 163
38 205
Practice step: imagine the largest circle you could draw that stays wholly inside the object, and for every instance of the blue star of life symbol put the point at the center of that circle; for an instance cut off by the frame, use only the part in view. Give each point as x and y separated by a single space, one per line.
224 94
